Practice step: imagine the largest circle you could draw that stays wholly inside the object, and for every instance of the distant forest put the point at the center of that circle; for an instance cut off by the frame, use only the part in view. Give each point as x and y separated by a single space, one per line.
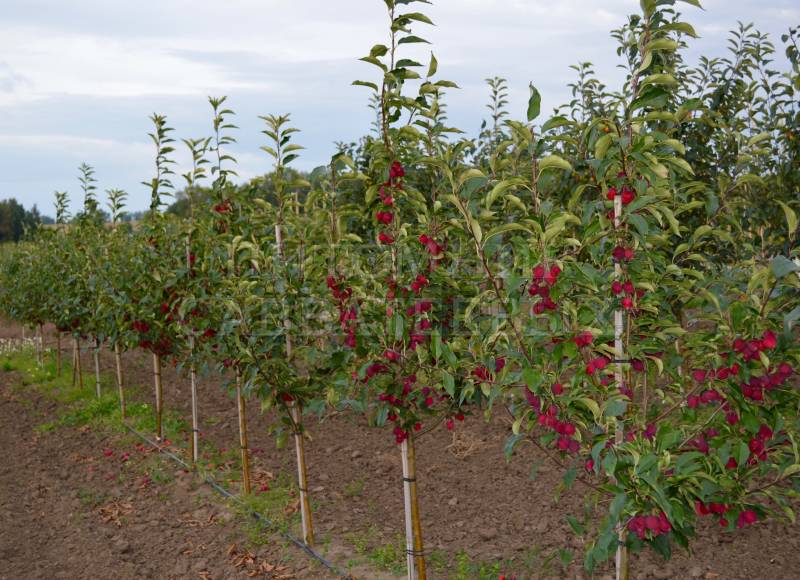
16 221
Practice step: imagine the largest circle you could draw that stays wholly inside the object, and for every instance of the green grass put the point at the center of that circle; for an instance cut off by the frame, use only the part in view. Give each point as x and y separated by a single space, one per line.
355 488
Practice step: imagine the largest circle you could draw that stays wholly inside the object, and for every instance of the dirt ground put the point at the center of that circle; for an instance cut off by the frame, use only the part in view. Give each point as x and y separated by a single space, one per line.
481 515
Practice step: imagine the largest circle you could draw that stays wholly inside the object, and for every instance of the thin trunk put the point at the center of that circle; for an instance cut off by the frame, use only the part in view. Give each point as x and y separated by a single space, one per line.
120 379
302 475
243 435
97 366
159 395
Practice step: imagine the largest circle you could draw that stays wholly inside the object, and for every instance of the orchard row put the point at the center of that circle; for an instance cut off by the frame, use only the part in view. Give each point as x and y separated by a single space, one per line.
621 279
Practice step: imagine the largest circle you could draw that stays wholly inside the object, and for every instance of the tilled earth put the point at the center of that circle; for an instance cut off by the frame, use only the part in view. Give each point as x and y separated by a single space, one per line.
473 503
74 504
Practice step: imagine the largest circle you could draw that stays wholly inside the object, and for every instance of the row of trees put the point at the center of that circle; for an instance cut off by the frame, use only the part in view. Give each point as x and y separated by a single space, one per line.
620 279
16 222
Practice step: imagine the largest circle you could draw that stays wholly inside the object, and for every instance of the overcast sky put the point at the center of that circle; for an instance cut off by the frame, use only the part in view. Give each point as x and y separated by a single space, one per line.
79 78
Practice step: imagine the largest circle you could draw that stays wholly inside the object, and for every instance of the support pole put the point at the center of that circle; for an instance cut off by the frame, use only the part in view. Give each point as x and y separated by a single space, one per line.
58 353
96 355
302 474
195 441
120 379
621 559
77 367
410 567
243 445
159 395
195 421
39 346
415 557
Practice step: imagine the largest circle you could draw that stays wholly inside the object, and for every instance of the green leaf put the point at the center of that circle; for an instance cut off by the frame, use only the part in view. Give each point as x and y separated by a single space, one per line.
418 16
682 27
569 477
781 266
557 121
534 103
640 224
379 50
501 229
592 405
411 39
553 162
615 408
511 442
575 525
662 44
791 470
448 383
661 79
601 146
791 218
433 66
617 505
436 344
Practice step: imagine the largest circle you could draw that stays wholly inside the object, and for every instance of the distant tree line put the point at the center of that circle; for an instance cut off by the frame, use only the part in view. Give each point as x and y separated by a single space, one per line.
16 221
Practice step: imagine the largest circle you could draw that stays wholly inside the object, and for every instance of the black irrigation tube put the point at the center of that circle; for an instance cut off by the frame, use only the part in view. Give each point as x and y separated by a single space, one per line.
260 517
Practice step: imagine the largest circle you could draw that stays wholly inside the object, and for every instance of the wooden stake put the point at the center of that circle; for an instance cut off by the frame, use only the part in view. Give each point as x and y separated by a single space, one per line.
58 352
159 395
96 355
302 474
243 434
120 379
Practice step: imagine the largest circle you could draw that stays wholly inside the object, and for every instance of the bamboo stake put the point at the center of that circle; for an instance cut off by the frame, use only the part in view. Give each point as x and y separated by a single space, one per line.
302 475
419 553
296 414
243 434
410 562
58 352
96 355
621 559
120 379
195 443
159 394
39 349
74 363
195 421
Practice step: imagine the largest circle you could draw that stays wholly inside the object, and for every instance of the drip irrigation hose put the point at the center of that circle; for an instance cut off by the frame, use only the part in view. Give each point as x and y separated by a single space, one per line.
260 517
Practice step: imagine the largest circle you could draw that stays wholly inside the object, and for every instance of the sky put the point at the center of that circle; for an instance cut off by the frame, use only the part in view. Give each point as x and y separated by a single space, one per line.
79 78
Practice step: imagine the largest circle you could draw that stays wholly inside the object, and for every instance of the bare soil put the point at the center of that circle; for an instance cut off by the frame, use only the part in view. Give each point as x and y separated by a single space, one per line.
481 515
